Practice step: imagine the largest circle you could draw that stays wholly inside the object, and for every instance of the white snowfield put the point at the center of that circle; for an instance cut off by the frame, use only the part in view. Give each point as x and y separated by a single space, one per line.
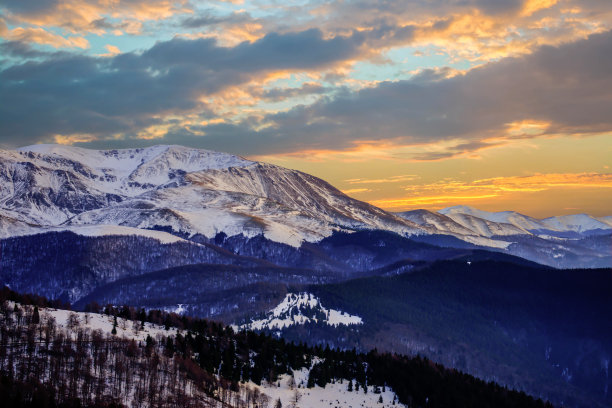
146 165
291 388
127 329
300 308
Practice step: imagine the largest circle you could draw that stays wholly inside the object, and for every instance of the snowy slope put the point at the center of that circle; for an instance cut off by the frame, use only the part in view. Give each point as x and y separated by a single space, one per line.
439 222
188 191
48 184
286 388
474 231
520 221
606 220
300 308
333 395
579 223
485 227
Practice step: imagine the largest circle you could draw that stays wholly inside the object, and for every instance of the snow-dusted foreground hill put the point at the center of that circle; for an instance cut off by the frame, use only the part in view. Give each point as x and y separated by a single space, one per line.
146 375
132 358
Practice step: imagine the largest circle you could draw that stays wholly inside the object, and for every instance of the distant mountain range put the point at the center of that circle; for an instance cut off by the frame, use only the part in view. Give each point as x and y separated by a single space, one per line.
197 194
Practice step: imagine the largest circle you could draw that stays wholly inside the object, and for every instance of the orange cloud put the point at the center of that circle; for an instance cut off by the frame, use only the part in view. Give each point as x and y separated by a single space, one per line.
416 202
451 192
538 182
393 179
356 190
395 150
41 36
82 16
532 6
112 51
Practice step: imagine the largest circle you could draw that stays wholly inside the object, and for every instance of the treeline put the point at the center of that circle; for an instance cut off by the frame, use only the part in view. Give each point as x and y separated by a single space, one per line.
418 382
207 362
31 299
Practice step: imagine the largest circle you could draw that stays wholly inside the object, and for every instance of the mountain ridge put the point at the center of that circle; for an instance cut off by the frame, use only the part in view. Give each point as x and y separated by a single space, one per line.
194 192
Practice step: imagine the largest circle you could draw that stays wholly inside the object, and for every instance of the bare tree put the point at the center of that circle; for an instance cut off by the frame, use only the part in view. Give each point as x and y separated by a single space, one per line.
73 321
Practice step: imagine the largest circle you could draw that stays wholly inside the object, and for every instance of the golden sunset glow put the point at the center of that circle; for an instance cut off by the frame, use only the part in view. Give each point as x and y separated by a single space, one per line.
446 193
521 174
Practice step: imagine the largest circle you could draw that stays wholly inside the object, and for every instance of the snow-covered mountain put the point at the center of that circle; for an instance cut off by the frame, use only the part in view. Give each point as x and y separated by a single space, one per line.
606 220
183 190
196 195
466 227
510 223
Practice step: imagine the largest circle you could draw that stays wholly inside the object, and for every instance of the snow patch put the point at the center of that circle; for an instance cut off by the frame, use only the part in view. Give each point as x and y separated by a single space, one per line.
300 308
104 230
288 388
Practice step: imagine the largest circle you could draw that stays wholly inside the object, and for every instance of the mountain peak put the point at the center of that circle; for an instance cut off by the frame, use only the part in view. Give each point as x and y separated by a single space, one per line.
154 162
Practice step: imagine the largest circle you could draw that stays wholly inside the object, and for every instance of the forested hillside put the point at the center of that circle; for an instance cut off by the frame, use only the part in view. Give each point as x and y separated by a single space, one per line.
128 357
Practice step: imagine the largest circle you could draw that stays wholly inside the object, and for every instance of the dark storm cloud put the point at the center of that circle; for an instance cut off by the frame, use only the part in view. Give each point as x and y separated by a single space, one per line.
71 94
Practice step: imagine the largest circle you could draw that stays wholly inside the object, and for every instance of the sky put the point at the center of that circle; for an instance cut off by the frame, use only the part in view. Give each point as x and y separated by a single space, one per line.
497 104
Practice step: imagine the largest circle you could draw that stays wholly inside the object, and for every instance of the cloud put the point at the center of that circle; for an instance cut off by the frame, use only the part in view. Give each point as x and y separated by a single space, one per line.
21 50
43 37
356 190
31 6
3 28
568 88
392 179
132 91
112 50
87 15
309 88
116 98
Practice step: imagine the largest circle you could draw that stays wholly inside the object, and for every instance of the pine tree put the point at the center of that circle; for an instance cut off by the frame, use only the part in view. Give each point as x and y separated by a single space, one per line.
278 404
35 316
311 382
